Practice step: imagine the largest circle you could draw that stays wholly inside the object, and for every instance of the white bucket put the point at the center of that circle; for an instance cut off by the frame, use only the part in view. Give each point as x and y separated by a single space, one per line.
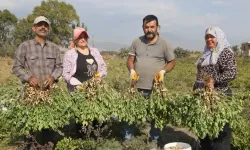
176 145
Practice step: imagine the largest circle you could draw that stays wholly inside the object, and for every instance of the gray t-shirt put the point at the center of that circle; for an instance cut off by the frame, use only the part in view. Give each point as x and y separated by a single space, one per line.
150 59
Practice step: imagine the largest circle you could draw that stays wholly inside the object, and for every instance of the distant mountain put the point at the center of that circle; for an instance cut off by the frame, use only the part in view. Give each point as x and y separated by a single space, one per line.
184 41
176 41
237 40
189 42
109 46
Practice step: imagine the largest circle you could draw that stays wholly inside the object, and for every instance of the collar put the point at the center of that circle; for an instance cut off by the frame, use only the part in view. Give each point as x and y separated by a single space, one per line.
156 42
36 42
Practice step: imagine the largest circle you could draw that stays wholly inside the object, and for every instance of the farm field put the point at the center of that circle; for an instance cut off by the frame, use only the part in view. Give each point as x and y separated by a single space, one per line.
95 116
178 82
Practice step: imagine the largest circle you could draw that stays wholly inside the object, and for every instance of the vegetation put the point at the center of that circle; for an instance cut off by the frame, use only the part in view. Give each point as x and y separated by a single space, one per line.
101 108
111 102
180 52
7 22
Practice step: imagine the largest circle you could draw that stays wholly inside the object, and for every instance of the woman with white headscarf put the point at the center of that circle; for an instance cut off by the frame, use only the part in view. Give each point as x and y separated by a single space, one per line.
219 64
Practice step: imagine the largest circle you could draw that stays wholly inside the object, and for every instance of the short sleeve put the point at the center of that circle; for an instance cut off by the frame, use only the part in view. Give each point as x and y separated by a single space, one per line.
168 51
132 49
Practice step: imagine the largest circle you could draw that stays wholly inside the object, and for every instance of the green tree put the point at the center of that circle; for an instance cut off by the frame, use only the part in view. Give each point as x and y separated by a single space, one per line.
236 49
23 31
123 52
84 26
61 15
180 52
7 22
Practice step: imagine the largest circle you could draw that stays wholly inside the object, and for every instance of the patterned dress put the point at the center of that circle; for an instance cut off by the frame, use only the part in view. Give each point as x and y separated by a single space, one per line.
224 71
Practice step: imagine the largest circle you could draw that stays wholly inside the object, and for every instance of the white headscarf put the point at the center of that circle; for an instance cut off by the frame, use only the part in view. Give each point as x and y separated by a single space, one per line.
210 56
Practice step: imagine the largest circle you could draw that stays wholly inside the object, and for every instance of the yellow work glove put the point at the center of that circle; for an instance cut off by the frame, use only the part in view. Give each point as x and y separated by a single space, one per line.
133 75
97 77
79 87
159 77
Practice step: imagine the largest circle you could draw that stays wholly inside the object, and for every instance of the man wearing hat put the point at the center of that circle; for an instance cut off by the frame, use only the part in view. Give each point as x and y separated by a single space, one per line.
40 57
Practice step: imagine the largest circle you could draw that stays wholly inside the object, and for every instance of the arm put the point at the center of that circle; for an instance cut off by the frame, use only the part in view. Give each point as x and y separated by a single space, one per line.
131 56
169 60
228 65
67 66
130 62
170 66
133 74
103 67
58 66
169 57
19 64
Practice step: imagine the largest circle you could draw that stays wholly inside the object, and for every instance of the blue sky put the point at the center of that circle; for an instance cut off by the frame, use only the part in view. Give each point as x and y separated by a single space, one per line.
186 20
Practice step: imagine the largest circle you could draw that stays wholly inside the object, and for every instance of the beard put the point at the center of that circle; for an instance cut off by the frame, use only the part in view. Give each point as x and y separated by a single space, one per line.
150 35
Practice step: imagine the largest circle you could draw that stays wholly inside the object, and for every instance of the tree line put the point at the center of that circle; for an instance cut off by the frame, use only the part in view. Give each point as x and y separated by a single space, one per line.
14 31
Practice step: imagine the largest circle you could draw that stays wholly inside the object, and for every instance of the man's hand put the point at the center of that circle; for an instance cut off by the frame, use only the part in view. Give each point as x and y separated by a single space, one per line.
33 81
49 81
133 75
160 76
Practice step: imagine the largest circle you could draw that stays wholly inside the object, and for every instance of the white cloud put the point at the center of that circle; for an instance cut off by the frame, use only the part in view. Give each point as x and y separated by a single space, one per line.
222 3
21 8
166 11
204 20
136 7
8 4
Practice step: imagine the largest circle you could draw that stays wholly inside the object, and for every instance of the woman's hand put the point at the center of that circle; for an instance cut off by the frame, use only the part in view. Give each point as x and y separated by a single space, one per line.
209 84
97 77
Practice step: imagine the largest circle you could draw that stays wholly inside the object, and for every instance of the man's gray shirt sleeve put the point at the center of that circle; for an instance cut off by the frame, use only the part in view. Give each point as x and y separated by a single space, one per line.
168 51
132 49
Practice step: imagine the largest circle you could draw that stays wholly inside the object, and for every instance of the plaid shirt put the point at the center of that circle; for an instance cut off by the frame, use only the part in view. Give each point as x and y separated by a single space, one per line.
32 59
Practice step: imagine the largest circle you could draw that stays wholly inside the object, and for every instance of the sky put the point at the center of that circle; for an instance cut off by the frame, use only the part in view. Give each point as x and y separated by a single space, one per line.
183 22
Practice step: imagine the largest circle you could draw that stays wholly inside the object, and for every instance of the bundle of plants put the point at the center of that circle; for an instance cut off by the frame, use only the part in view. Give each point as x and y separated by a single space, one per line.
204 112
89 88
158 102
37 95
26 115
98 101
